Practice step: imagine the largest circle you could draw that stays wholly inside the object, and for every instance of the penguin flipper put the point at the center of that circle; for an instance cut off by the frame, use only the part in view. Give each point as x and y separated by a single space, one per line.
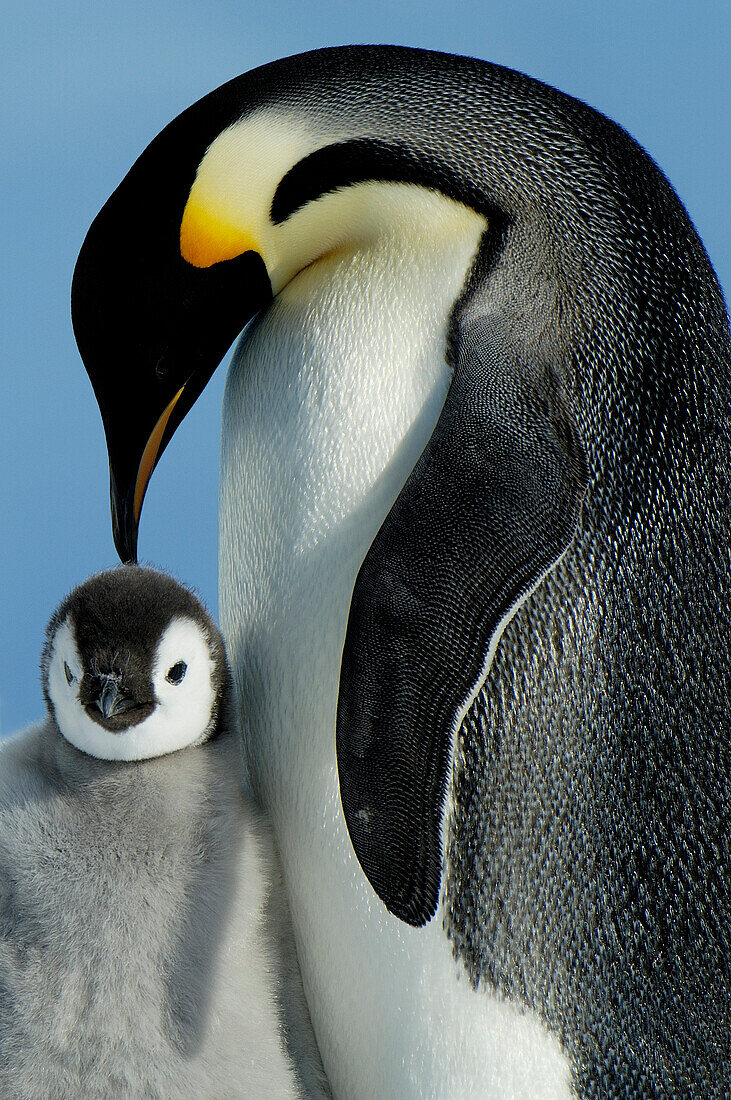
491 505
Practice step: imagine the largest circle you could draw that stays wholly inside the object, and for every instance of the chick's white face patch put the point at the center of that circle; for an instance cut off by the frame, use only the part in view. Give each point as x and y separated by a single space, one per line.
182 680
64 692
183 712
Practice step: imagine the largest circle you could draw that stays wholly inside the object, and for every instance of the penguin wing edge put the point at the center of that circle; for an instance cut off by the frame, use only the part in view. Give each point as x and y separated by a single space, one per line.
492 504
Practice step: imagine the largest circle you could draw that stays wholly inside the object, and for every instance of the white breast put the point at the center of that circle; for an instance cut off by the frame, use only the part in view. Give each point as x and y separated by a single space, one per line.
331 398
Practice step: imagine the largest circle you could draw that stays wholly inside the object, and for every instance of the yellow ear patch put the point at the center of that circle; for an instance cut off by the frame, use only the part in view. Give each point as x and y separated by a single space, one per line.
207 238
227 211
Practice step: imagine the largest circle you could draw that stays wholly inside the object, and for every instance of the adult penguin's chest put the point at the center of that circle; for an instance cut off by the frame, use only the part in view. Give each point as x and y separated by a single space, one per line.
331 398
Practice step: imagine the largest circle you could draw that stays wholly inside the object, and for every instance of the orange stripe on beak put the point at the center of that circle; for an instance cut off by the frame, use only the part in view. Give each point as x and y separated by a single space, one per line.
207 239
149 455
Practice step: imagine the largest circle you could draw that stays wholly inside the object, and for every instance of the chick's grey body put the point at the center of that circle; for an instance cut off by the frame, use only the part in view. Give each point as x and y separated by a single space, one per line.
145 946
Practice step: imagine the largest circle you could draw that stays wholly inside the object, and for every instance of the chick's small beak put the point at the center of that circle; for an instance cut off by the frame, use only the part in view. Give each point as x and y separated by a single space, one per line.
111 700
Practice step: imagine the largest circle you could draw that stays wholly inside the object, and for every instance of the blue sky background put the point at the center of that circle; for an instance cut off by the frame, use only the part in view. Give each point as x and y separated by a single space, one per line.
86 84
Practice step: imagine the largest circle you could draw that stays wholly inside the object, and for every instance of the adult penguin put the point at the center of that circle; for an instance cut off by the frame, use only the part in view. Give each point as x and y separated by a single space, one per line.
474 535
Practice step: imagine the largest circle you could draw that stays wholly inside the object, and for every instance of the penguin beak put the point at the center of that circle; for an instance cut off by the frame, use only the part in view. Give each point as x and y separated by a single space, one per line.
171 330
124 524
111 700
127 498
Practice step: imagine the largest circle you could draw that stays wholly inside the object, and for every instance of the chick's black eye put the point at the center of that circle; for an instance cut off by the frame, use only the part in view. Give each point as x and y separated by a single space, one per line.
177 672
69 673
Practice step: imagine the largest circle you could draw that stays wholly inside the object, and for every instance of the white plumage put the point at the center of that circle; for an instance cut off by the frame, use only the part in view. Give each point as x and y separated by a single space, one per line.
330 399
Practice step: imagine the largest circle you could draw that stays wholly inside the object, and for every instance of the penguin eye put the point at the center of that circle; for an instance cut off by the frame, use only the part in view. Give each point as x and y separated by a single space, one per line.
69 673
177 672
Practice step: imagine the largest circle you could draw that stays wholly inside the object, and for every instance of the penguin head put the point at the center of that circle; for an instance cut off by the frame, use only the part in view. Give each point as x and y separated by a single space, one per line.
173 267
231 201
134 667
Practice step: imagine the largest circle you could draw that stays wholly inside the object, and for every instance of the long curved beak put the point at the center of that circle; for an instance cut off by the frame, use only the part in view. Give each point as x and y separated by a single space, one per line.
172 324
127 500
124 524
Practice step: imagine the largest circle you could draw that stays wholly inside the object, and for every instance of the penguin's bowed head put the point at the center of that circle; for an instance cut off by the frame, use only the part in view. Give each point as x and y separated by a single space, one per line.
134 667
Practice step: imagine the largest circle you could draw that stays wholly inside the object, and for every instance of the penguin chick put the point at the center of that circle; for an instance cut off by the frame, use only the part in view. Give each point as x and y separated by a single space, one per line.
145 944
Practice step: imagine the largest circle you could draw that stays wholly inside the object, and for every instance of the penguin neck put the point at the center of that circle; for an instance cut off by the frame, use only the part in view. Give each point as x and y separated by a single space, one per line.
331 397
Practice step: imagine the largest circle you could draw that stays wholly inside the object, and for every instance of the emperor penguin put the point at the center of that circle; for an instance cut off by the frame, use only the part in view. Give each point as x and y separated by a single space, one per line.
145 944
474 564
